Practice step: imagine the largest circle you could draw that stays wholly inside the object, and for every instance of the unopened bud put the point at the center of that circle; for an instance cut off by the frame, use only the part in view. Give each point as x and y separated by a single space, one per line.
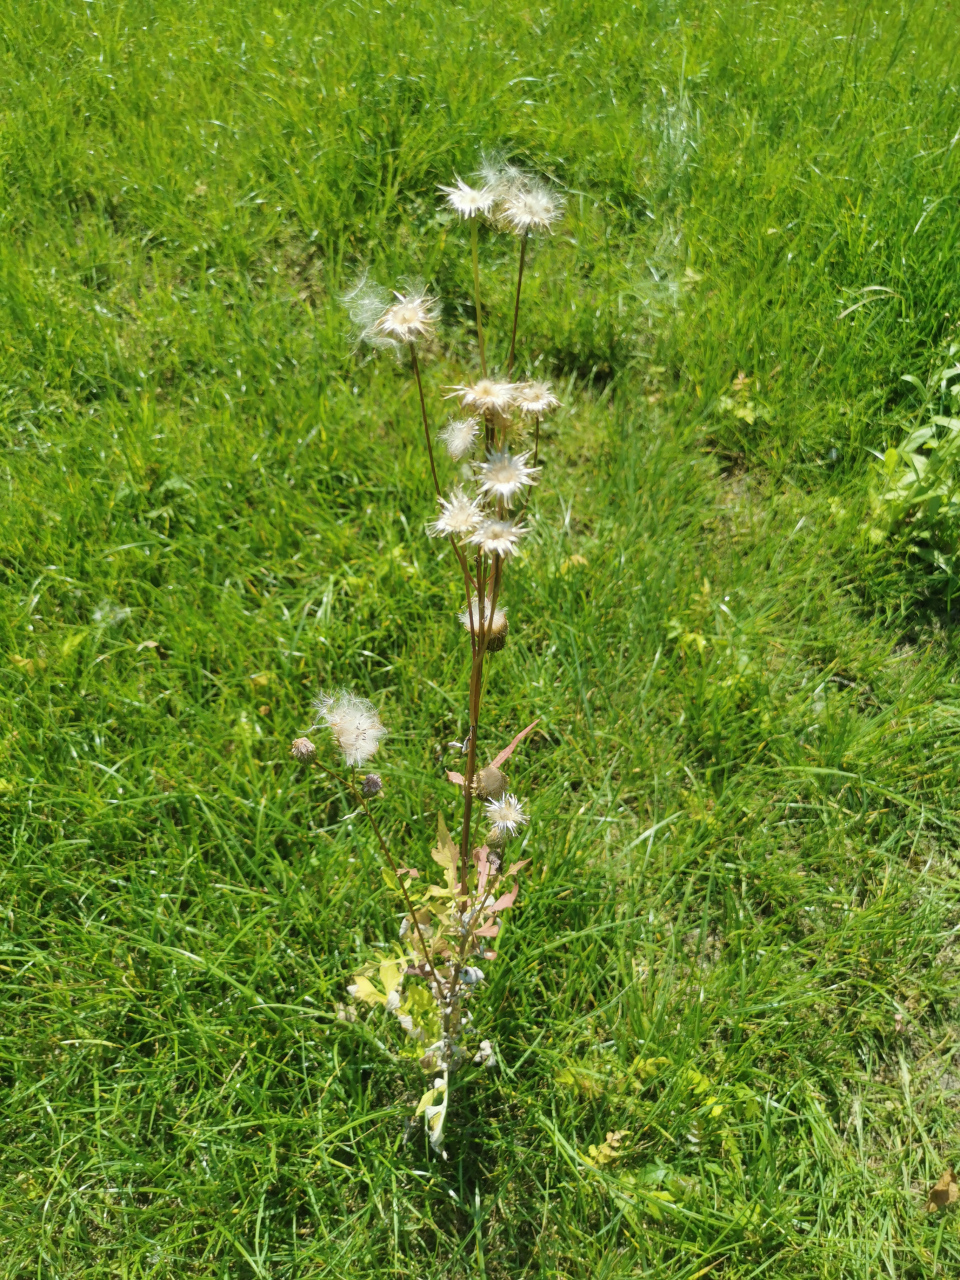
302 749
371 785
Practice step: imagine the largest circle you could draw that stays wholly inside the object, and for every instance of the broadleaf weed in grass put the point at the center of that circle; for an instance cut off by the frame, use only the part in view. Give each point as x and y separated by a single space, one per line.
430 976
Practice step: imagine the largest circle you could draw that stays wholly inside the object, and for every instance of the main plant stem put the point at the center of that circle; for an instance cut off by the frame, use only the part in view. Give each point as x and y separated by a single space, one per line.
516 306
476 293
423 414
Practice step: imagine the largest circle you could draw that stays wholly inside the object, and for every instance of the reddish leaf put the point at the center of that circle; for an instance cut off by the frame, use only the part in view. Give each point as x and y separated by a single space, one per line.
489 930
456 778
507 900
507 752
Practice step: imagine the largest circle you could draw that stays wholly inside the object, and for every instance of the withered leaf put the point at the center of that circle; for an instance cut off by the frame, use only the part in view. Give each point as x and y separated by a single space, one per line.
507 752
943 1192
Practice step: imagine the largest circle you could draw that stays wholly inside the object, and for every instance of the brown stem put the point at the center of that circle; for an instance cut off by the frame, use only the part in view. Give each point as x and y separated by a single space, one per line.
423 414
516 308
476 294
536 440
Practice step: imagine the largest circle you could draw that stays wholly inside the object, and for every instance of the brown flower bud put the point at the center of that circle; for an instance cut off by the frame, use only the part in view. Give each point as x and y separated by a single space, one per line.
489 783
303 749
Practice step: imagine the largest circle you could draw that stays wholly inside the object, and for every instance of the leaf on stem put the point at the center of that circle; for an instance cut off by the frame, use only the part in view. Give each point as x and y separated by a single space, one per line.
445 853
507 752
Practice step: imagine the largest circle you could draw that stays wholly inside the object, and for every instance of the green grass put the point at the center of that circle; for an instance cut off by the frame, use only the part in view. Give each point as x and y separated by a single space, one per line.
745 835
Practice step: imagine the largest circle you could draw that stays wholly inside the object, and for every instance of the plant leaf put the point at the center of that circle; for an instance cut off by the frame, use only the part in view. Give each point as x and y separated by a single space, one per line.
507 752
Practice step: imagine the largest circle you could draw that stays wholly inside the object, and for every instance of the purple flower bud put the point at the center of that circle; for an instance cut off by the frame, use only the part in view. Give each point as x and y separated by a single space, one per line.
371 785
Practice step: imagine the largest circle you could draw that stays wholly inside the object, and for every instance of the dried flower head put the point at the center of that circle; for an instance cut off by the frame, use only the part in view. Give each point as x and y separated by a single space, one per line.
490 783
486 396
412 317
531 208
391 320
506 815
468 201
536 398
302 749
498 537
459 436
504 475
371 785
354 723
498 176
470 975
459 516
495 624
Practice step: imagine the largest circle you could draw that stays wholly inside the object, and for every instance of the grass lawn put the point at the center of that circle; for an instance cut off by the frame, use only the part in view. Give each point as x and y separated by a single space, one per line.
738 938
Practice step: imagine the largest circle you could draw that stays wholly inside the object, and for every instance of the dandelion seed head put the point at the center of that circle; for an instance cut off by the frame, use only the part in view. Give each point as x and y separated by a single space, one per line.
504 475
459 516
354 723
531 208
535 398
458 437
468 201
486 396
302 749
498 537
506 815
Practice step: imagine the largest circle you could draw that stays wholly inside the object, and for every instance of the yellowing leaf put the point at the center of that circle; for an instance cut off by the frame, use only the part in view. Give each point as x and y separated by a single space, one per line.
391 974
72 642
445 853
363 989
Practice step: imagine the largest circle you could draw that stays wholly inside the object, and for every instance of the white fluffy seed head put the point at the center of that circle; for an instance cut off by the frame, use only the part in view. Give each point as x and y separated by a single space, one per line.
458 437
504 475
354 723
498 537
531 208
495 623
506 815
468 201
500 177
412 317
536 398
486 396
459 516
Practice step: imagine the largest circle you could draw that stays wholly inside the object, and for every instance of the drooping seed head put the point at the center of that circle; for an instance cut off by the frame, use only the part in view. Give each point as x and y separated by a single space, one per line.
468 201
302 749
504 475
354 723
498 537
506 815
459 436
459 516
